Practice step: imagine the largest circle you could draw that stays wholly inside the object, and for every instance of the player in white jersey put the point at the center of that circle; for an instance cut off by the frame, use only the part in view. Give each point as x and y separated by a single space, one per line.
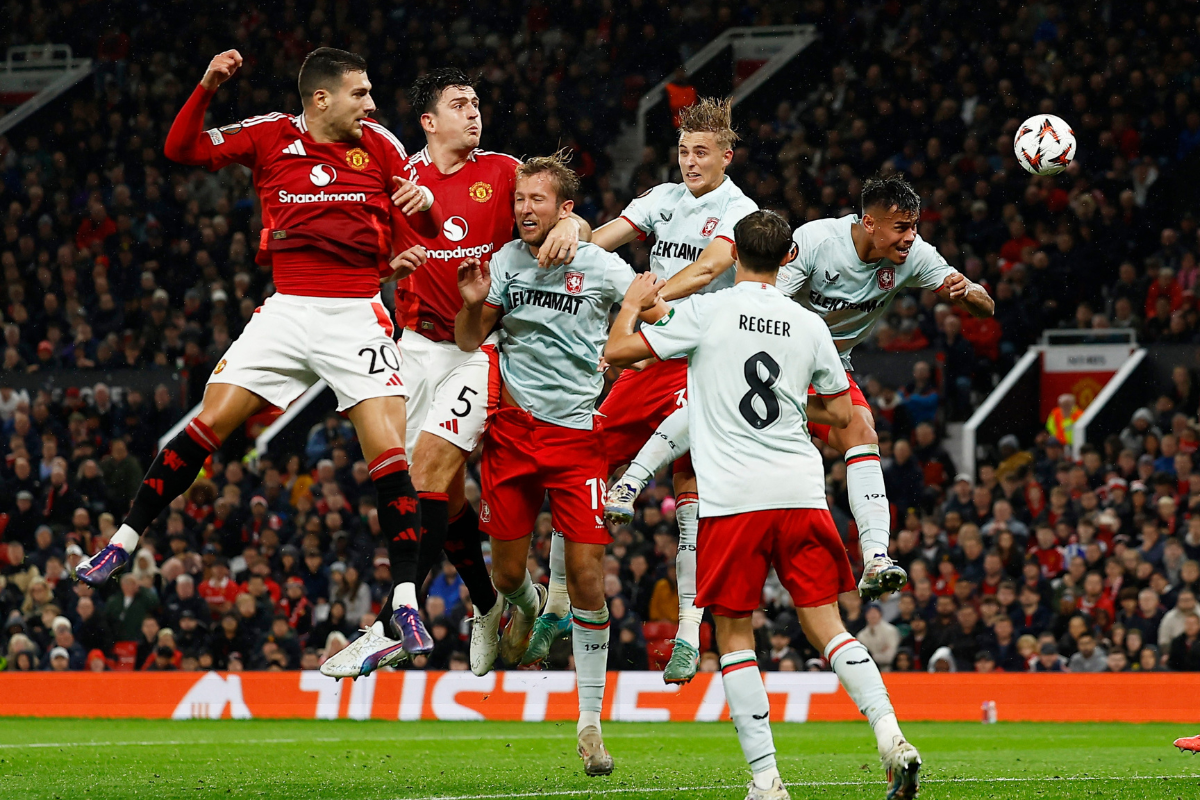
753 356
692 223
847 270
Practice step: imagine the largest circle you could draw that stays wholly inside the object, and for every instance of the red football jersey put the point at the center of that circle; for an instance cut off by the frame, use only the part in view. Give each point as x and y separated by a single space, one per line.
476 204
329 226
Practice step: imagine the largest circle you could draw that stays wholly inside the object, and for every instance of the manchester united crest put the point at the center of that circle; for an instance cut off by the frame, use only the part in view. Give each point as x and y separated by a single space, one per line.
220 366
485 511
574 282
886 277
357 158
480 192
710 225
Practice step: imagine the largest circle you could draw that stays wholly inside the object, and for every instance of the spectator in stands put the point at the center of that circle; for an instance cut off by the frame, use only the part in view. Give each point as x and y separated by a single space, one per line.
1185 648
880 637
1061 422
124 612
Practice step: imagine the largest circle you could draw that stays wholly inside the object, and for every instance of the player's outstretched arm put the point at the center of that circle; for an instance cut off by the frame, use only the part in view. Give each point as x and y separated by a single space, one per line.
959 291
715 259
833 411
476 318
625 347
186 142
614 234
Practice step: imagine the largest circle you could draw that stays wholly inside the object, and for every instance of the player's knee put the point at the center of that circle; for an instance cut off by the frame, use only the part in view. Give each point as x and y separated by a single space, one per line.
435 462
586 590
507 578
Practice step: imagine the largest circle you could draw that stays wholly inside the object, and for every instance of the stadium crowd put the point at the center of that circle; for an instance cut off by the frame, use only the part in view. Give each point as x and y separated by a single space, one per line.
115 259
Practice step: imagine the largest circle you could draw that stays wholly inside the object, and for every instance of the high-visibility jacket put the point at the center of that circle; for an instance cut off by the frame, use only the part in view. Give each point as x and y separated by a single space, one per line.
1062 427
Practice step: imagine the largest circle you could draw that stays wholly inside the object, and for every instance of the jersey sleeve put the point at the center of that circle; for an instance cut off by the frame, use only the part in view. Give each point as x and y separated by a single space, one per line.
794 274
617 277
930 270
496 294
640 212
188 143
678 333
735 213
829 374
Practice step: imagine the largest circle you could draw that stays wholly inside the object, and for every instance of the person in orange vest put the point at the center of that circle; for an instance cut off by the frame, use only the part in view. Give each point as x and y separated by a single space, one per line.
1061 422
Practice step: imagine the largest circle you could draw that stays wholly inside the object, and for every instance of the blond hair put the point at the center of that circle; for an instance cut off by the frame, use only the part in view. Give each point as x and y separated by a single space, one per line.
562 178
710 115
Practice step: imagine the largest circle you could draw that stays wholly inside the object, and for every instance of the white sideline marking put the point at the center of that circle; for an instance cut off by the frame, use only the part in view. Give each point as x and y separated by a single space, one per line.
322 739
660 790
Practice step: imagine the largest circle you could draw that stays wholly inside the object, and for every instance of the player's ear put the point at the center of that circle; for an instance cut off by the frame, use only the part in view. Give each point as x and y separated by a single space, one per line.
733 252
320 99
727 157
565 208
428 123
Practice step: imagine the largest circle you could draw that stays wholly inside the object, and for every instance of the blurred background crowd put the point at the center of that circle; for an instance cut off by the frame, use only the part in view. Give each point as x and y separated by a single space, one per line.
116 260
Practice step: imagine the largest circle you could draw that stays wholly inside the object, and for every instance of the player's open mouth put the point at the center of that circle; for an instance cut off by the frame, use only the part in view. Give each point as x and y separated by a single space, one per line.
529 224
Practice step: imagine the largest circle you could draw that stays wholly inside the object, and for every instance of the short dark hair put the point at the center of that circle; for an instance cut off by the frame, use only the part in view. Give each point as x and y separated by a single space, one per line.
324 67
763 240
888 192
427 89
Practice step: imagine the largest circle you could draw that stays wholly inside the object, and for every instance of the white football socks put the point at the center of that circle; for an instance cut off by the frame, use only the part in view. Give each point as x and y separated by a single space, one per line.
525 598
589 644
559 602
670 441
126 538
751 712
868 500
862 681
405 594
686 512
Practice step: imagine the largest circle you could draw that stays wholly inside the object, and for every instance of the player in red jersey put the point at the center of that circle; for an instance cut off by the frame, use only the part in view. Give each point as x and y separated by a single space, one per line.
331 182
450 392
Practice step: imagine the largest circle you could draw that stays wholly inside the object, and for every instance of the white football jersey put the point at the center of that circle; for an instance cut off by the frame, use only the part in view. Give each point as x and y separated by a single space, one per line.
752 354
827 277
683 225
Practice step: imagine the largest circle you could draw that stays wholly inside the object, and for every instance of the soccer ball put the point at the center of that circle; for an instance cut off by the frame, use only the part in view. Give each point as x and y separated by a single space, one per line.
1045 145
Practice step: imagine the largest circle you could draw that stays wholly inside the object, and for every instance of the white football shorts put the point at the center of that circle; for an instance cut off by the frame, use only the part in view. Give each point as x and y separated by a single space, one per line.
449 392
292 341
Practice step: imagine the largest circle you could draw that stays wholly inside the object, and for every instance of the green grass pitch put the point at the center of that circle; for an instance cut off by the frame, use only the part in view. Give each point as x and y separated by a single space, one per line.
77 759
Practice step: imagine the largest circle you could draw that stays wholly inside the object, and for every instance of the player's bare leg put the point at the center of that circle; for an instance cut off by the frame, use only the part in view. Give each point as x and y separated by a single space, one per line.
555 620
685 654
862 681
380 422
451 525
749 706
868 502
225 408
585 585
511 578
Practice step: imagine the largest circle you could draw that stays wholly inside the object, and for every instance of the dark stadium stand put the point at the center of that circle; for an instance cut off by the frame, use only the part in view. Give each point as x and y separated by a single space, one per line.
126 278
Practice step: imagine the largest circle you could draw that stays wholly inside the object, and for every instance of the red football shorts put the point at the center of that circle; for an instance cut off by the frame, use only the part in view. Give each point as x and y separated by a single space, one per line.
637 404
856 397
734 553
523 459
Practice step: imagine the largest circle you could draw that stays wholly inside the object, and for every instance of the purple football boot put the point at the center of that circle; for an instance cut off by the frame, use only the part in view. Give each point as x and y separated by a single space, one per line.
99 568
